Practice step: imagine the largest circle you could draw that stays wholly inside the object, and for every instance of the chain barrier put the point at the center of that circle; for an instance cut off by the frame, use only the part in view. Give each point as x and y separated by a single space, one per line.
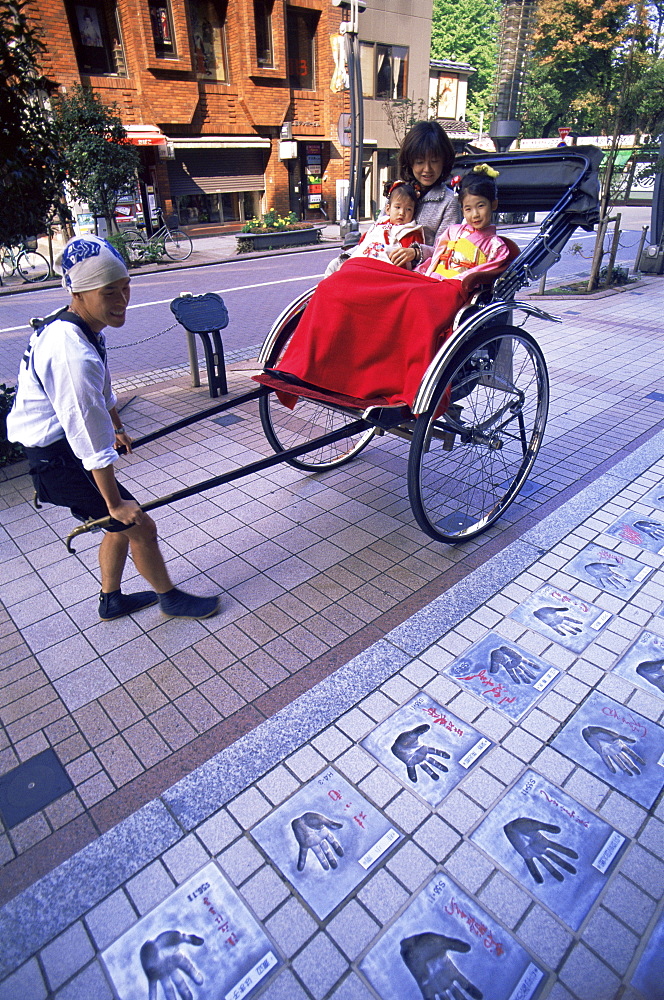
135 343
569 251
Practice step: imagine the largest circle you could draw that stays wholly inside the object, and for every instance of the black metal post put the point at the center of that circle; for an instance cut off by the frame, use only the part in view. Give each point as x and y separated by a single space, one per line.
350 28
657 211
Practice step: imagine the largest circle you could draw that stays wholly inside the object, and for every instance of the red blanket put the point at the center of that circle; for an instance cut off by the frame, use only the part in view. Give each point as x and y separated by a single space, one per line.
371 330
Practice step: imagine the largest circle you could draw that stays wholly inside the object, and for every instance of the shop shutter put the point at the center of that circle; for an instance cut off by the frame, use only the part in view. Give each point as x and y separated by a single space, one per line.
216 171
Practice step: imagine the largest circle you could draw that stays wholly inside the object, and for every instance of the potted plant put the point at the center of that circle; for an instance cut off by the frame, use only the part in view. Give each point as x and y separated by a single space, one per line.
274 231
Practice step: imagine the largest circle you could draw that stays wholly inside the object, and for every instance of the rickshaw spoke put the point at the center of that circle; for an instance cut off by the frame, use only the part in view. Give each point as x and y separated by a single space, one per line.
287 428
456 492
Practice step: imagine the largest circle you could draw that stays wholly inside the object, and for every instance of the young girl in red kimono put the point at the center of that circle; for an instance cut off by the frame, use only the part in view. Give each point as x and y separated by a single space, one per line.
395 228
371 329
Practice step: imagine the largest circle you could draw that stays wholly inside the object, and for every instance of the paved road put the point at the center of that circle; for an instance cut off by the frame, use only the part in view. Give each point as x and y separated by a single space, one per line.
255 291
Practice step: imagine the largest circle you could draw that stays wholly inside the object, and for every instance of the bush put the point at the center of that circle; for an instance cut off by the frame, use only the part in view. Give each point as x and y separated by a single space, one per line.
119 241
9 452
273 222
620 276
150 253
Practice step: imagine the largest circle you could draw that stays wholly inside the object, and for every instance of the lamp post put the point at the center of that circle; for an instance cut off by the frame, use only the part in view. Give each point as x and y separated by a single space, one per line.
350 28
503 134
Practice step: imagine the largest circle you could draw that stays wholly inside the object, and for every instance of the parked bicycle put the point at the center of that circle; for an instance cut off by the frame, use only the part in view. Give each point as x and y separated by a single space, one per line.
31 265
173 242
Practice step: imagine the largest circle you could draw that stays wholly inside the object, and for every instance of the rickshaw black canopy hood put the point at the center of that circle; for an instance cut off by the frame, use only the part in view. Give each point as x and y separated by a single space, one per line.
542 180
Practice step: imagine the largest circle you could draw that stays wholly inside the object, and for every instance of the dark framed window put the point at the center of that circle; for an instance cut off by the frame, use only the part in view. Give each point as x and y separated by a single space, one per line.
391 71
97 41
208 27
263 22
301 26
162 29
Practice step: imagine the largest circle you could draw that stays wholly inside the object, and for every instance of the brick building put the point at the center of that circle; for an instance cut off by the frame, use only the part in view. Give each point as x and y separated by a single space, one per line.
235 104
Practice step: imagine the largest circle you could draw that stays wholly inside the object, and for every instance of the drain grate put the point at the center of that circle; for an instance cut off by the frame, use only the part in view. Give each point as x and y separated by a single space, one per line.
32 785
456 521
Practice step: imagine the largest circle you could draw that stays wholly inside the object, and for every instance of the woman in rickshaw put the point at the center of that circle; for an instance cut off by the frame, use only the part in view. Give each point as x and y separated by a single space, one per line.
426 158
371 329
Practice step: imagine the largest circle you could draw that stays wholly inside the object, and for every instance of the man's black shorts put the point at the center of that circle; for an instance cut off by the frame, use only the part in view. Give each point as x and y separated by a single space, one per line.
60 478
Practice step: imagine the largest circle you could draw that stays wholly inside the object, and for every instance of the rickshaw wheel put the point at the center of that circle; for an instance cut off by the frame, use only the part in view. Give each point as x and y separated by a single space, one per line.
286 428
466 465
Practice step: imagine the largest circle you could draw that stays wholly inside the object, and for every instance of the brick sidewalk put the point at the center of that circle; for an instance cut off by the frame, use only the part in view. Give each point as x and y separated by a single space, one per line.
317 570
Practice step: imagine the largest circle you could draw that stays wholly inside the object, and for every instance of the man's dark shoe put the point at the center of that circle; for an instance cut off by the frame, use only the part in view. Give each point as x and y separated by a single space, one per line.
176 604
117 604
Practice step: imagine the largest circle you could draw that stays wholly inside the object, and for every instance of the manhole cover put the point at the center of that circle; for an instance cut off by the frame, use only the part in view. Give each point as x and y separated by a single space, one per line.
31 786
455 522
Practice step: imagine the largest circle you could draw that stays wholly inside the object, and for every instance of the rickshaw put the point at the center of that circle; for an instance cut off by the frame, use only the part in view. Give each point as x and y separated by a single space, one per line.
478 420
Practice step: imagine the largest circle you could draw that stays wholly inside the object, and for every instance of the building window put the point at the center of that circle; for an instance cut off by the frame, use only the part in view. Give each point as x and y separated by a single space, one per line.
162 29
301 31
232 206
263 22
389 76
384 70
208 26
96 35
367 54
391 63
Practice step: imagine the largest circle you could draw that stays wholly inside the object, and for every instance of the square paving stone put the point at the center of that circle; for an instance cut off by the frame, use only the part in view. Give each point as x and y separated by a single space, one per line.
655 496
649 973
446 944
507 676
552 845
325 839
643 664
621 747
426 747
562 617
218 945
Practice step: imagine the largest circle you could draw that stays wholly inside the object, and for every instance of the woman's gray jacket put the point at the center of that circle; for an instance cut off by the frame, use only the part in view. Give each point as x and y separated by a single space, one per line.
436 210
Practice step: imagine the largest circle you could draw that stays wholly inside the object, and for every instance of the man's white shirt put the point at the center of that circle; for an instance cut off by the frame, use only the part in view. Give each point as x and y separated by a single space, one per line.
64 391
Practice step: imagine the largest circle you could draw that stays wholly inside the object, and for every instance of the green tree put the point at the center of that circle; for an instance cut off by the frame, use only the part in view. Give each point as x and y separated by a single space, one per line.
588 56
467 31
101 165
31 171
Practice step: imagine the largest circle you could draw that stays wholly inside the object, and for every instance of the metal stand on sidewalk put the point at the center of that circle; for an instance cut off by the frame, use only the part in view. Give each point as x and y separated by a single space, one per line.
205 315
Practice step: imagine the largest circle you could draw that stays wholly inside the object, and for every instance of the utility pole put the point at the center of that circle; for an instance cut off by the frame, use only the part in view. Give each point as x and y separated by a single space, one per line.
350 29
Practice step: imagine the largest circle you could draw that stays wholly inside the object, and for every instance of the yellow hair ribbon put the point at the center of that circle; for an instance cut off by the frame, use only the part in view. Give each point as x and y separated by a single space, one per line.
484 168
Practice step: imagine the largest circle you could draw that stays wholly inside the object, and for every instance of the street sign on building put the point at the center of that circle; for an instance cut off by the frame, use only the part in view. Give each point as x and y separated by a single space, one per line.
343 129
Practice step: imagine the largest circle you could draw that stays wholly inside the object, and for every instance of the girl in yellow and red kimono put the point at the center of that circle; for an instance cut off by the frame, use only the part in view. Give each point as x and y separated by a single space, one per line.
472 246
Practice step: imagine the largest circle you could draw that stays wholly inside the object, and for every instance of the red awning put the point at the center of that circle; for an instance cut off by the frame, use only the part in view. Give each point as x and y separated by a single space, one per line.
145 135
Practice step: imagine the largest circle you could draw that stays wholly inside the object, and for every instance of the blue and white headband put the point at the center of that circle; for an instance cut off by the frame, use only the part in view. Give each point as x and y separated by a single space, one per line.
89 262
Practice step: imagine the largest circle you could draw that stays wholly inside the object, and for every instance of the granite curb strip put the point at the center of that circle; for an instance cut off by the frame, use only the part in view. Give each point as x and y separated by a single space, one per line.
191 801
40 913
